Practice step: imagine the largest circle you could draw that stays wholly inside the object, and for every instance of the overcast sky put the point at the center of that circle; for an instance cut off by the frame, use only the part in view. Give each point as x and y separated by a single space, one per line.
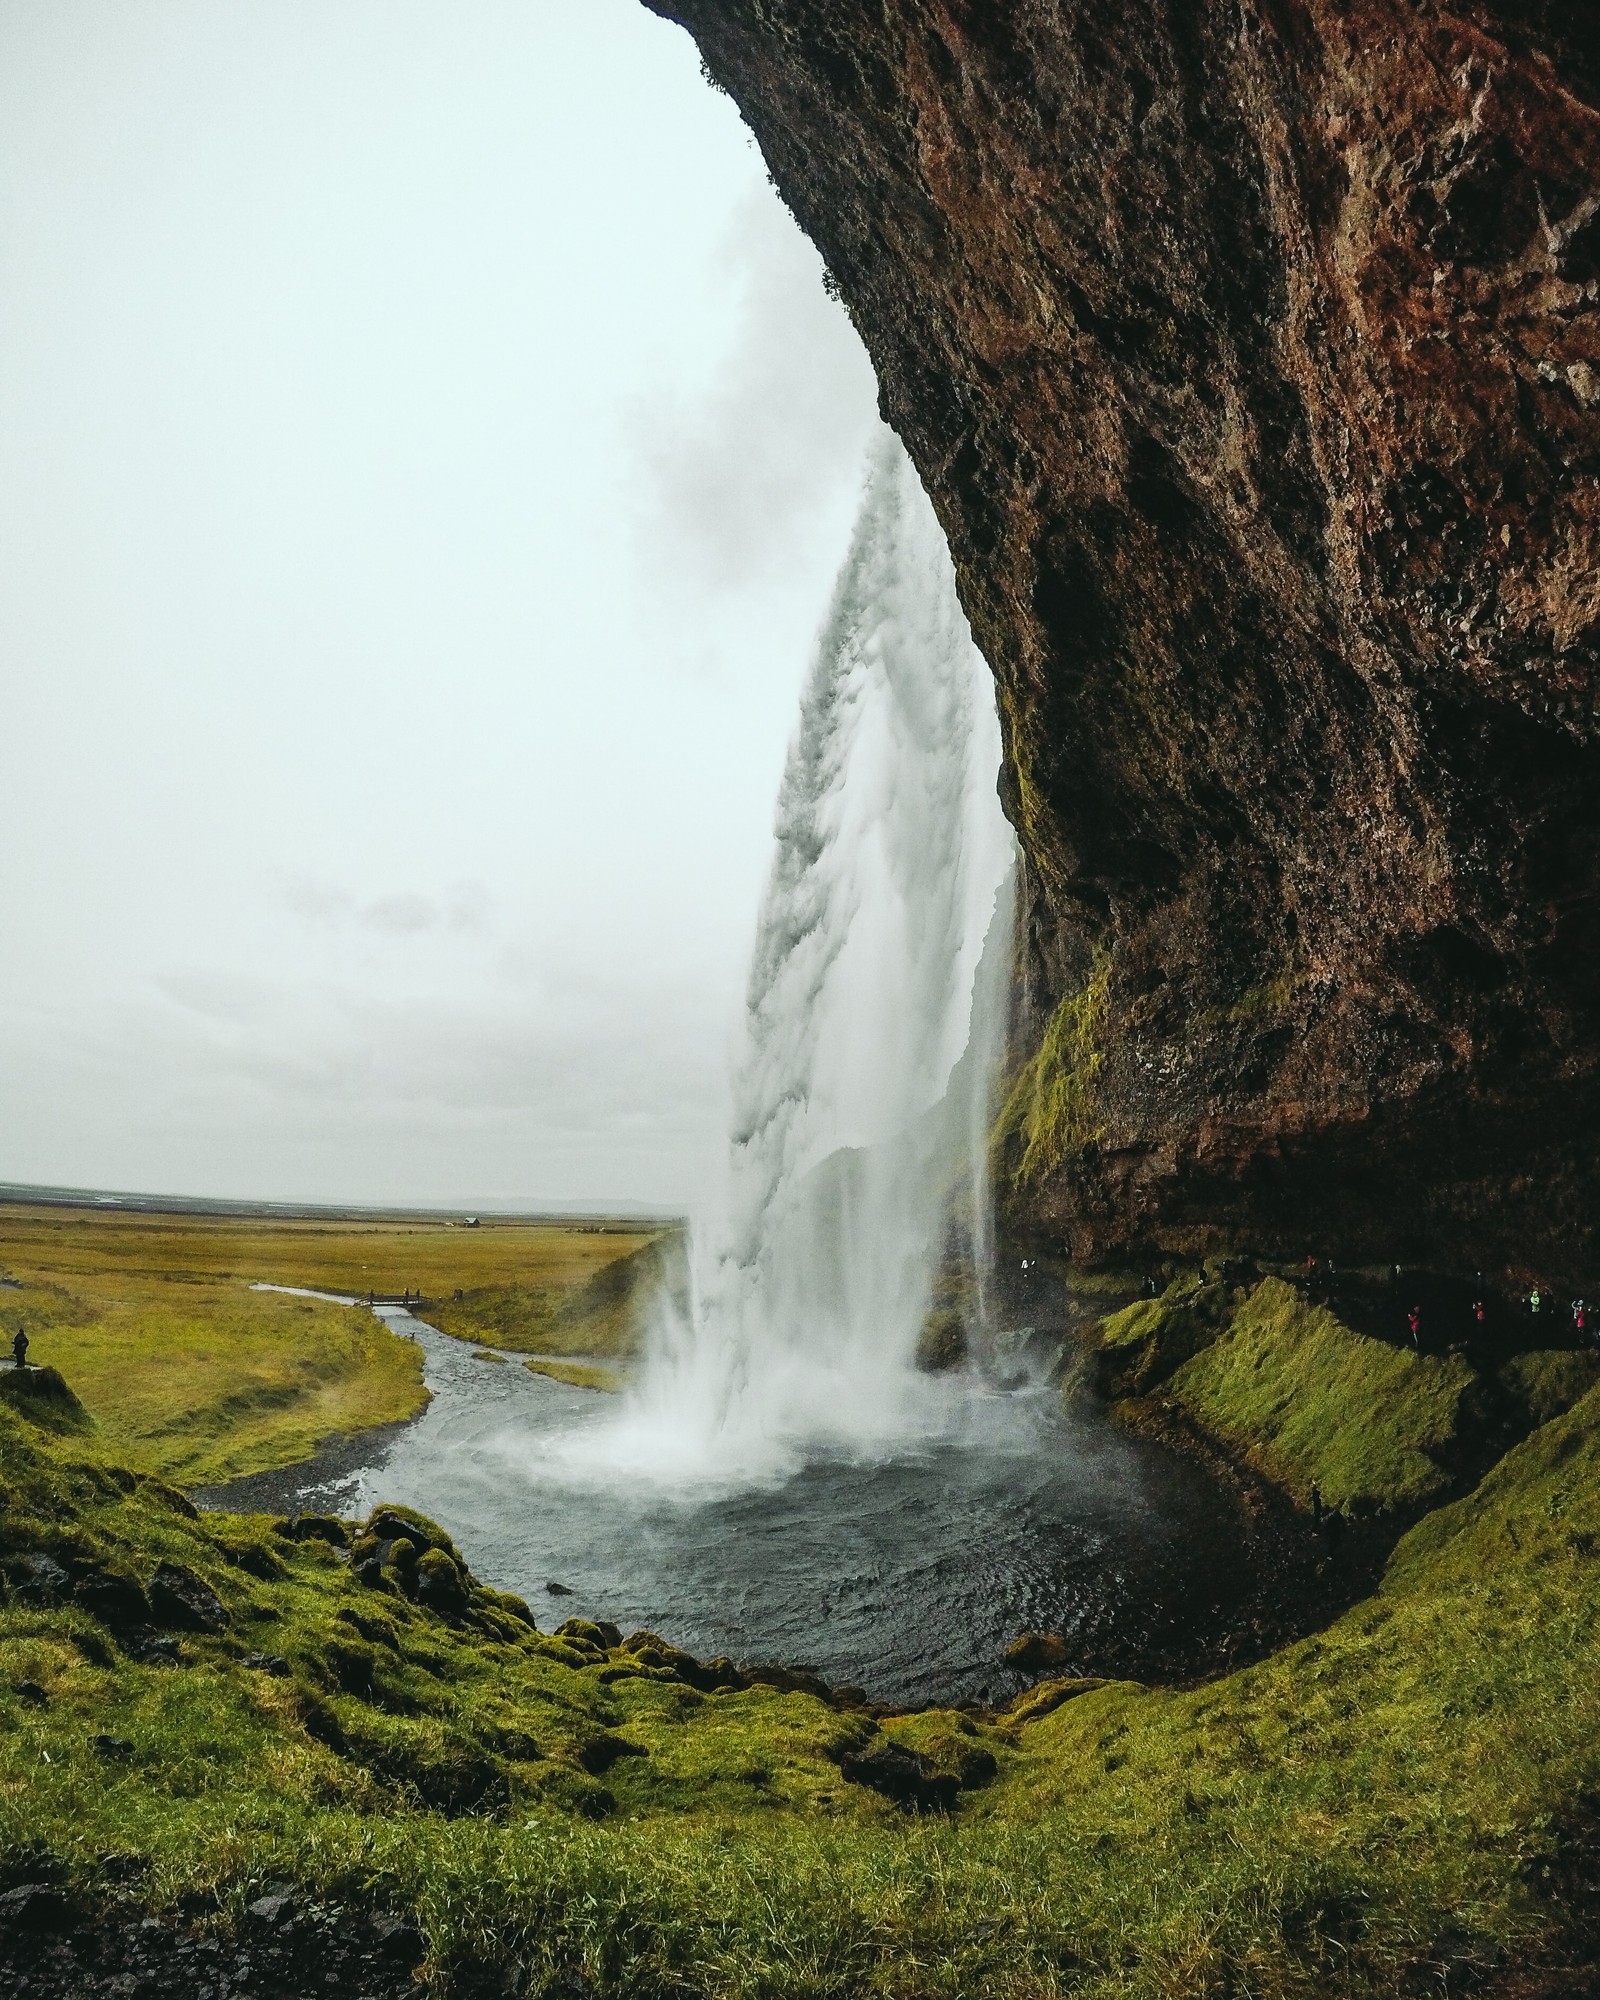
425 450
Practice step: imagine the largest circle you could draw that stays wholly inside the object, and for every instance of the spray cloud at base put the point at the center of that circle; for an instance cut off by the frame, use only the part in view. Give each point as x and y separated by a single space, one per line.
874 1023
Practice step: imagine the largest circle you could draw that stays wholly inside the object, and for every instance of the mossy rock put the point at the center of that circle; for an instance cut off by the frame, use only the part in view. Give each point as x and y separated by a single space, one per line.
942 1343
43 1397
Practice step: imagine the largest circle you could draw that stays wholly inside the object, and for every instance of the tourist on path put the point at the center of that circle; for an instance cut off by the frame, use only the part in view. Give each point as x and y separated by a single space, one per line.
19 1349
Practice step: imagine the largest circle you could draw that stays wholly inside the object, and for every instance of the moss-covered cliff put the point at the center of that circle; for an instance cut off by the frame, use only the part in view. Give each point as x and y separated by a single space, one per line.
1250 353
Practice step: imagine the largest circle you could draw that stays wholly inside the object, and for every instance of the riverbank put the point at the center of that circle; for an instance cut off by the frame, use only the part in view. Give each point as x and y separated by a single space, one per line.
1392 1805
192 1372
398 1766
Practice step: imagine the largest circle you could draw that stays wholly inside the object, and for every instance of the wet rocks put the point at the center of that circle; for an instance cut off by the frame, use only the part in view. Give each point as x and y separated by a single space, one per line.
34 1906
37 1578
314 1528
117 1601
288 1947
272 1664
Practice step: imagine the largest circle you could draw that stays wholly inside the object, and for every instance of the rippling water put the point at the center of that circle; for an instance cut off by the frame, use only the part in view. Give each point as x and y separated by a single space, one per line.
906 1575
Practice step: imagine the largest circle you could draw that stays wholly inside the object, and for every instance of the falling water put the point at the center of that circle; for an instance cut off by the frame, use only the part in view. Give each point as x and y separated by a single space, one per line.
860 1102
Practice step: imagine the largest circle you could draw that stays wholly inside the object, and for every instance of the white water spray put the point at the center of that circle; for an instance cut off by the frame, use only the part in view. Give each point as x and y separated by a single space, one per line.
861 1101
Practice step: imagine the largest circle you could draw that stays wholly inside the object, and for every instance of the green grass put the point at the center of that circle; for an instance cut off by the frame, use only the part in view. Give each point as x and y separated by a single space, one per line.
1305 1399
1050 1111
577 1374
352 1255
200 1382
585 1310
1548 1382
1141 1346
190 1374
1348 1818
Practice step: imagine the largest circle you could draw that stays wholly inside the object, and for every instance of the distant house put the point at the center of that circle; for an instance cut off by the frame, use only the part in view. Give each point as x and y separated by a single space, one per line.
469 1222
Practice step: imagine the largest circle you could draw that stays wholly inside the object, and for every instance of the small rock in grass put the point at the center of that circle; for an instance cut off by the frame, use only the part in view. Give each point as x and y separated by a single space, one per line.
33 1694
273 1908
398 1940
266 1663
151 1649
38 1578
179 1597
903 1775
117 1748
124 1867
117 1601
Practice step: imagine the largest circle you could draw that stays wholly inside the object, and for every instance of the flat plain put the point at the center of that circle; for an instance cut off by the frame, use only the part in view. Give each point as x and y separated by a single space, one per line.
190 1374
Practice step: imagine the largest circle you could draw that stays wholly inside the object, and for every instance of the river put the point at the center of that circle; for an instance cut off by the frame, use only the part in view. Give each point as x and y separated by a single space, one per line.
906 1574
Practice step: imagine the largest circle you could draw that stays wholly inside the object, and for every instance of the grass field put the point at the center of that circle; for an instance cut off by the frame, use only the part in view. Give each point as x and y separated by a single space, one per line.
1398 1805
1402 1804
189 1374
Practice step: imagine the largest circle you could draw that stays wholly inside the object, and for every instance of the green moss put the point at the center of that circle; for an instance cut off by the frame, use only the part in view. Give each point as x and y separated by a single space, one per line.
1307 1400
1050 1110
43 1395
1547 1383
1135 1350
1401 1793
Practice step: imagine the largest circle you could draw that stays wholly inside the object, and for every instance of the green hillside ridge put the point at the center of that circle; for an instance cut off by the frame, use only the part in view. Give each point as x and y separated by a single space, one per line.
599 1316
1287 1388
1395 1805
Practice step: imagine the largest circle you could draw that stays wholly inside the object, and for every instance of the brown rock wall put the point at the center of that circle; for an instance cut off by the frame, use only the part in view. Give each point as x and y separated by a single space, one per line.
1251 354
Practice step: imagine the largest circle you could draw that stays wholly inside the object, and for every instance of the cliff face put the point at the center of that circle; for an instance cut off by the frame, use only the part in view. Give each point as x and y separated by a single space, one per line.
1250 351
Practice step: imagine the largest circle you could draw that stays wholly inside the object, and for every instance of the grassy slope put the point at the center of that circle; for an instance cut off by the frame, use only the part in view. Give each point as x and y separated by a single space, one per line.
568 1304
201 1382
1346 1818
1306 1399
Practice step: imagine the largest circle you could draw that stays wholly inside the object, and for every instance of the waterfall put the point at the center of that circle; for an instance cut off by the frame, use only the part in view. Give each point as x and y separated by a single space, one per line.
873 1025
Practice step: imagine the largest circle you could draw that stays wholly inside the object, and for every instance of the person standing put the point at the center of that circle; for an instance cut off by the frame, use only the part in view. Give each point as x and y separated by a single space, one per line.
19 1349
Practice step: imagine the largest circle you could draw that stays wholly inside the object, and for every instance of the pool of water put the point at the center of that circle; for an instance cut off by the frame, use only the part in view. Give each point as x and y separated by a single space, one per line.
906 1574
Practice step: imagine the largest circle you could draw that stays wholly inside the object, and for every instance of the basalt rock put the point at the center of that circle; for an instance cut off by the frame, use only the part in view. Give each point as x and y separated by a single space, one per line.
180 1598
1250 353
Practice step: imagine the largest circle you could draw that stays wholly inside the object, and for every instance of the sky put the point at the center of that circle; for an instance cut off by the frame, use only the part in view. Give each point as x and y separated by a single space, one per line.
426 446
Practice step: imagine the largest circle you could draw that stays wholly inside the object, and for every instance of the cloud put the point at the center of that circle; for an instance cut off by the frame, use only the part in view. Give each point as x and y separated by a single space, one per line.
272 1085
734 474
404 914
